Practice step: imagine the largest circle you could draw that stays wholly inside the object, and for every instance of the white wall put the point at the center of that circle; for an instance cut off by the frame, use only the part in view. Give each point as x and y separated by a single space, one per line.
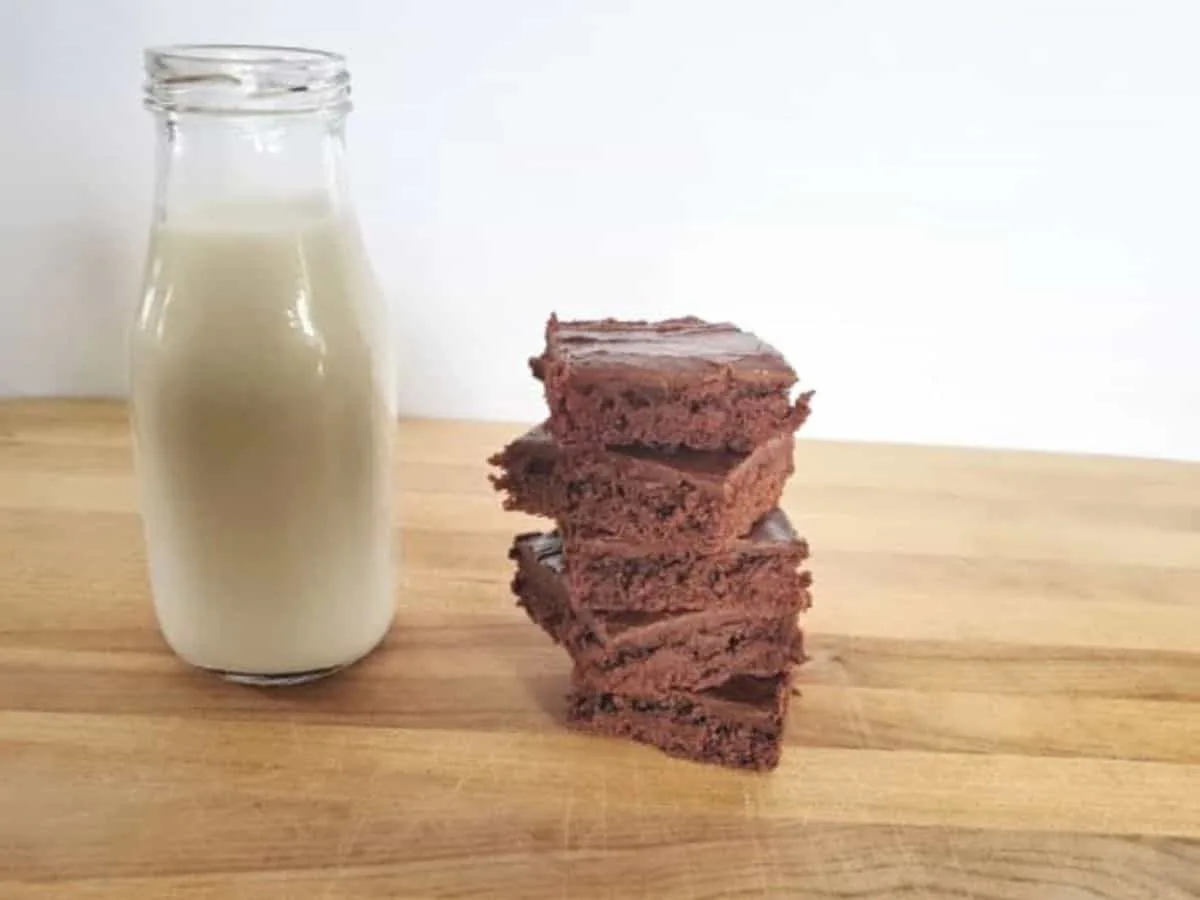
967 222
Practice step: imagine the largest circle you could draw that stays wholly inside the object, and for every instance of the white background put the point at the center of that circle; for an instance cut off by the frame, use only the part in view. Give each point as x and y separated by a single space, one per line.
965 221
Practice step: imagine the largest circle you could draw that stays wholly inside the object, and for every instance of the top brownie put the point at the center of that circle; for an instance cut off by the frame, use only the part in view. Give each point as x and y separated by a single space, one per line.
670 384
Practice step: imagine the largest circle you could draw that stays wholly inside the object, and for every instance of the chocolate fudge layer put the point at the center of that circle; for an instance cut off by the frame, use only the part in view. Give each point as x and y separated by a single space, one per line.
647 653
676 383
738 724
689 500
753 572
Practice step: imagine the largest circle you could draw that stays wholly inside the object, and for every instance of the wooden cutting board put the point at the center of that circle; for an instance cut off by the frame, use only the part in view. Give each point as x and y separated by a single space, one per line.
1004 701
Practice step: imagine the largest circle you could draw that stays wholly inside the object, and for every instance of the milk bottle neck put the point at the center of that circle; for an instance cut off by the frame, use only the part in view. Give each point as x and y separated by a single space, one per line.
248 127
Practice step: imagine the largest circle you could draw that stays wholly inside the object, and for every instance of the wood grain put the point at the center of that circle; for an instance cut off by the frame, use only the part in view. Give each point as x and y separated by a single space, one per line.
1004 701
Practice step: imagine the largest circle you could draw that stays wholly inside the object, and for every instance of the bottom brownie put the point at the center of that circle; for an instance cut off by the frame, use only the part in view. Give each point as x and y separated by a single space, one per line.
738 724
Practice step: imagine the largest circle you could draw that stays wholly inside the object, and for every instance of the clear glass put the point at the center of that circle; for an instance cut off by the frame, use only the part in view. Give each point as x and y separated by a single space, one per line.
261 383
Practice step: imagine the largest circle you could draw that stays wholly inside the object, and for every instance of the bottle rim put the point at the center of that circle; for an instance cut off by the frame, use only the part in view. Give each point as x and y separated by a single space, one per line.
245 79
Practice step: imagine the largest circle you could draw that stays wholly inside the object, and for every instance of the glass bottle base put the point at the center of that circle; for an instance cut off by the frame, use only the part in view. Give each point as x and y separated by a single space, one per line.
285 679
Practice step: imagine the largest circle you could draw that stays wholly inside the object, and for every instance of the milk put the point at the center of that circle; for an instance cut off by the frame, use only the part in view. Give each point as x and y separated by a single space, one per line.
263 419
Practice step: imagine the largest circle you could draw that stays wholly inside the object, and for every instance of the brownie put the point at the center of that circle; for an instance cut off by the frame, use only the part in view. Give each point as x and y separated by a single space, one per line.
738 724
753 572
538 582
670 384
697 500
647 653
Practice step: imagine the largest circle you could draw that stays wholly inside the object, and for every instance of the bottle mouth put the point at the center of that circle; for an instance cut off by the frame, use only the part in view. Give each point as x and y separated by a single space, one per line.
244 79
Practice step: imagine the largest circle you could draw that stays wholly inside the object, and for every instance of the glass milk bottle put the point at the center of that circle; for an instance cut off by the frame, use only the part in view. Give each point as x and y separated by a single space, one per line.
262 390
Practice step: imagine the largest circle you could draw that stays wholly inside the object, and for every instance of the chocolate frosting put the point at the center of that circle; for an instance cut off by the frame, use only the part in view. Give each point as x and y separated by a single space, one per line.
749 689
696 463
674 345
547 549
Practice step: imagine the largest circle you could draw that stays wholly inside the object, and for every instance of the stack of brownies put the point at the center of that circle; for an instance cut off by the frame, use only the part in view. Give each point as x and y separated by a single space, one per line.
672 579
